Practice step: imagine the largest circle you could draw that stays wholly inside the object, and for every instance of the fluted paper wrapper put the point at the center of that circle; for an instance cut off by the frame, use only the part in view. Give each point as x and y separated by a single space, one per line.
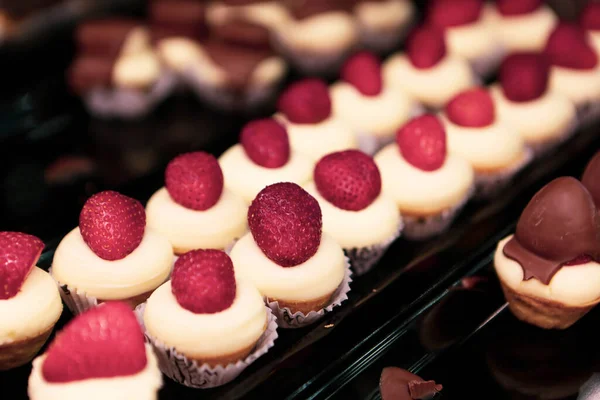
186 372
288 320
127 103
489 185
362 259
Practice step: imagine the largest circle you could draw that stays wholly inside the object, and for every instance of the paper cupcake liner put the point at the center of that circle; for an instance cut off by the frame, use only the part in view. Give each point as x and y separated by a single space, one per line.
362 259
127 103
542 148
187 372
488 185
486 65
288 320
384 41
588 112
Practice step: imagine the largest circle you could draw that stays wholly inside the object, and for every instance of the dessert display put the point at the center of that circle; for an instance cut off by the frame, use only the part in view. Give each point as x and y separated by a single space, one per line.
99 354
263 157
399 384
111 255
575 70
116 71
544 118
356 213
429 185
30 304
427 72
314 130
468 34
205 324
548 269
367 104
301 271
493 148
521 25
194 210
591 178
590 21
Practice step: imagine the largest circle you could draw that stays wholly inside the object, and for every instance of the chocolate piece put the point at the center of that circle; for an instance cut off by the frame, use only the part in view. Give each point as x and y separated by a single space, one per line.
178 18
559 224
302 9
423 389
243 33
591 178
395 384
104 37
89 72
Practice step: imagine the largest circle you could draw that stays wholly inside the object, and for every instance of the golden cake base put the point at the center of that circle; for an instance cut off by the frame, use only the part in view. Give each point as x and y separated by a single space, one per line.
15 354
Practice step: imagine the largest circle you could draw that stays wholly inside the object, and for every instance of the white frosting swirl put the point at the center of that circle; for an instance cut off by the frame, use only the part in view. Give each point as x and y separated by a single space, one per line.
489 148
136 71
188 229
379 115
545 118
433 87
575 285
320 139
246 178
472 41
418 192
143 270
33 310
580 86
317 277
372 225
271 14
384 16
206 335
142 386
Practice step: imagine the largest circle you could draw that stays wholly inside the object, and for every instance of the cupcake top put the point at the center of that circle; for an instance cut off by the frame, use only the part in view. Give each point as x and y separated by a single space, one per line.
560 227
263 157
524 76
363 100
20 253
569 47
400 384
591 178
452 13
305 110
101 350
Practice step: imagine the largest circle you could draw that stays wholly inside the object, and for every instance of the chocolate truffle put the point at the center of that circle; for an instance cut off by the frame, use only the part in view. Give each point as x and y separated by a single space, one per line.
400 384
559 226
591 178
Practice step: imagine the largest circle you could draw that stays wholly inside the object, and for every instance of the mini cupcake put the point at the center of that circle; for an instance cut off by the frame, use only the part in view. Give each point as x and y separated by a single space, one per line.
116 71
494 149
468 34
263 157
314 130
356 213
365 103
428 185
591 178
99 354
544 118
193 210
110 255
590 21
318 37
301 272
383 24
521 25
426 72
270 14
206 326
30 304
575 69
549 268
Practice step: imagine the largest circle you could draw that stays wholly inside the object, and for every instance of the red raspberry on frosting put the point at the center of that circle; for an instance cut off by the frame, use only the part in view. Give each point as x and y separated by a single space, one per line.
286 222
524 76
590 16
449 13
422 142
266 142
363 71
18 254
473 108
568 46
112 224
104 342
349 179
194 180
306 102
425 47
203 281
517 7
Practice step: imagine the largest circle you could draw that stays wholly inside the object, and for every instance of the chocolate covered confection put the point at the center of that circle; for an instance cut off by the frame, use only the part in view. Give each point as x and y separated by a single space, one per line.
400 384
559 227
89 72
240 32
169 18
591 178
104 37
